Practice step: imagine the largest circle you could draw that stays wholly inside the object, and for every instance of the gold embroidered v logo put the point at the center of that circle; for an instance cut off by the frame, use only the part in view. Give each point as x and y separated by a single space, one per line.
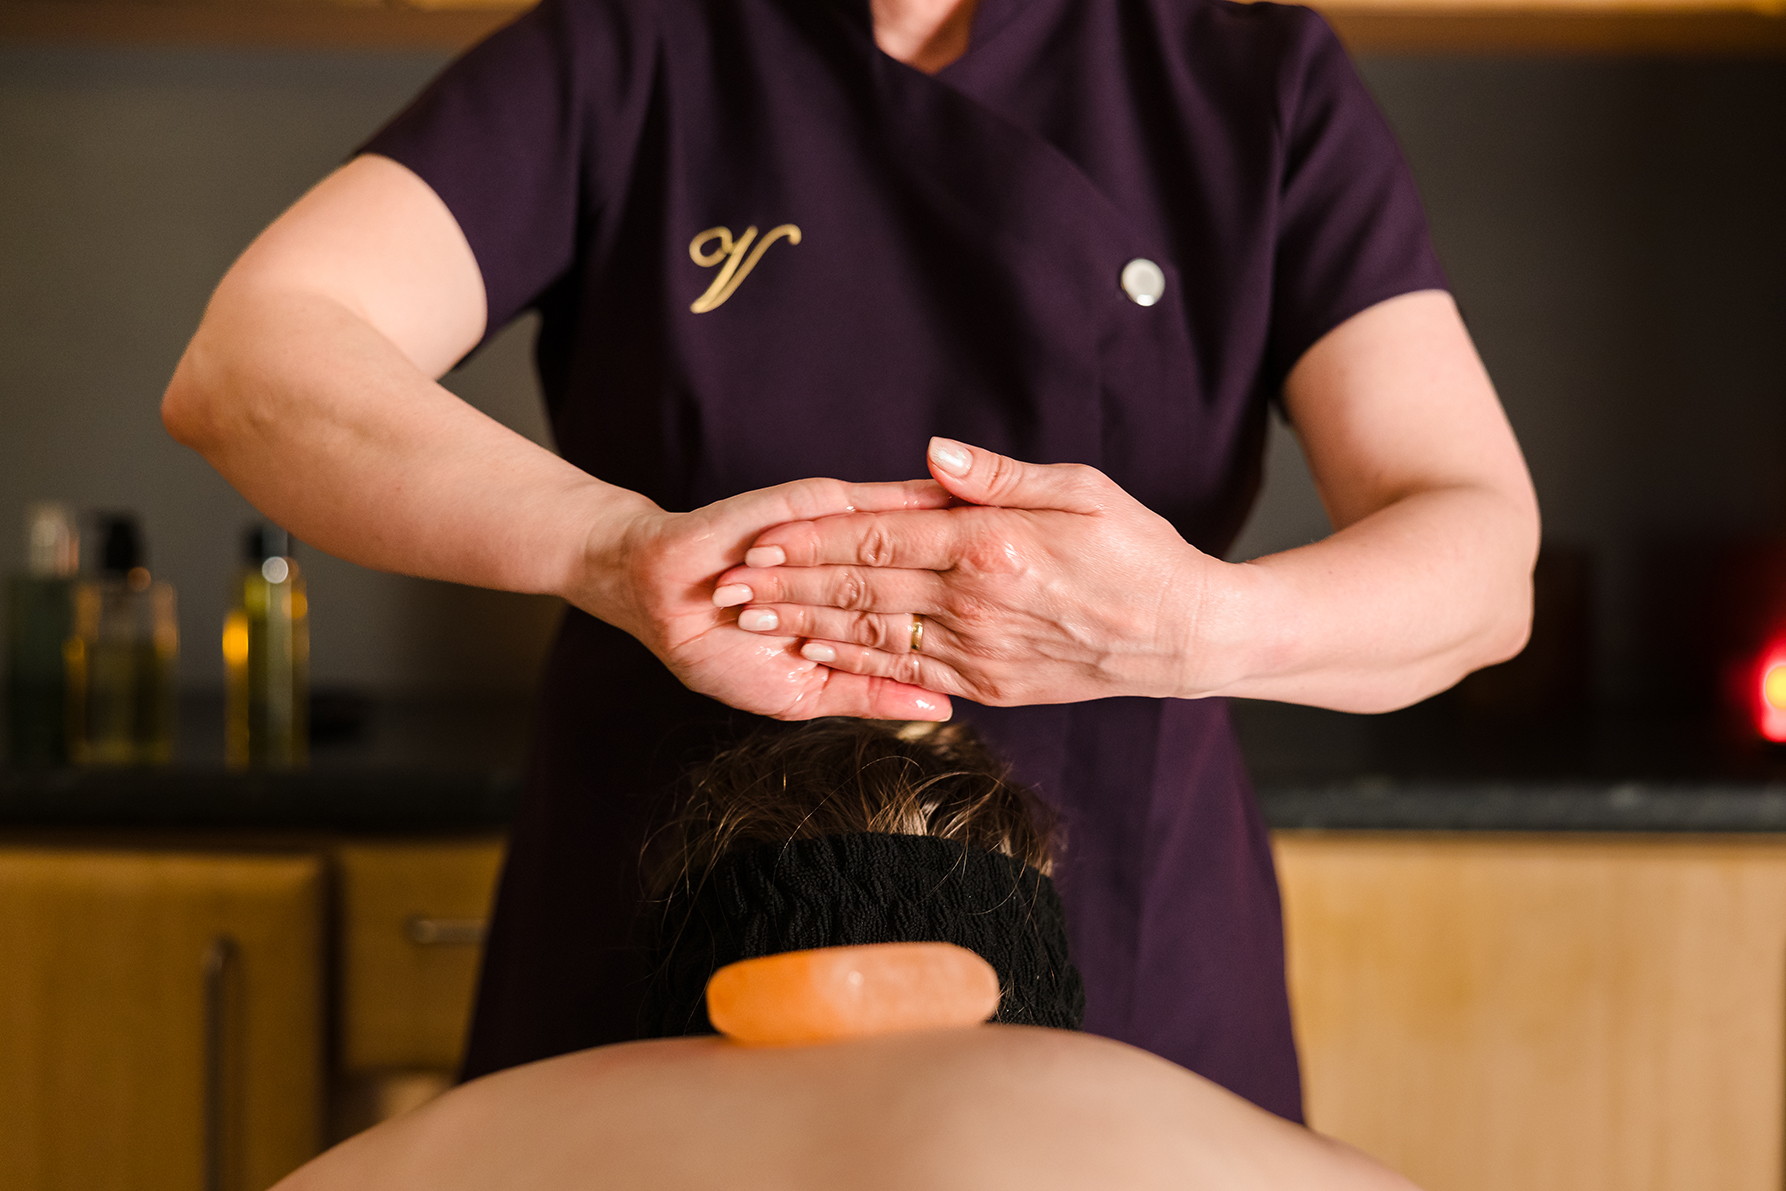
732 274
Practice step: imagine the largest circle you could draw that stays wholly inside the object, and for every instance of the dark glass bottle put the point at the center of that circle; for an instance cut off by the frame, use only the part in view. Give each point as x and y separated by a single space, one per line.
122 656
39 622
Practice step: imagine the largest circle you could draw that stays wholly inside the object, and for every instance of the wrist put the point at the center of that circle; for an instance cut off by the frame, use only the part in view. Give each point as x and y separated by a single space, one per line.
603 542
1237 630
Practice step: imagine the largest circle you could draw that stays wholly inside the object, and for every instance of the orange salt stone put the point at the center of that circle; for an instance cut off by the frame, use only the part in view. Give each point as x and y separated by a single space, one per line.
833 993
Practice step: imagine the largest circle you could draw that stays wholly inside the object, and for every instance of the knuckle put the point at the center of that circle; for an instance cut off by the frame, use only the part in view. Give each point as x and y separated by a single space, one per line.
850 592
1092 486
824 491
1005 474
972 612
798 541
870 630
990 554
876 547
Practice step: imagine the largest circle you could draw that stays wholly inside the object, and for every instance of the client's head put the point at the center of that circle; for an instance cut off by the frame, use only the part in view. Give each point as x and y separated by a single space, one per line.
847 832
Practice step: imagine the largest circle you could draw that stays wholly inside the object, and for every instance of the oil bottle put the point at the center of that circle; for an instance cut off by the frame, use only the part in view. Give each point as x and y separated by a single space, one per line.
122 656
39 621
266 657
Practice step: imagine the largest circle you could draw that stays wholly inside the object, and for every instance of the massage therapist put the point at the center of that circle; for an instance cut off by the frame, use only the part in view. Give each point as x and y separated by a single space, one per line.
1066 256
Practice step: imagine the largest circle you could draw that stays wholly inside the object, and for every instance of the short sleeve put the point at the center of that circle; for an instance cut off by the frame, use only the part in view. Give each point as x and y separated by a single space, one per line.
527 137
1351 231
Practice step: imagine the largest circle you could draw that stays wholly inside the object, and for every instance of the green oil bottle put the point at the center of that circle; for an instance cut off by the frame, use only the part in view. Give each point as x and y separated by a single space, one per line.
266 658
39 622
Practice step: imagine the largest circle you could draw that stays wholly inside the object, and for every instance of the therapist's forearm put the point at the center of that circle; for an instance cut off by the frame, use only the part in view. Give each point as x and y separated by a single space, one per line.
309 386
1429 574
331 430
1392 609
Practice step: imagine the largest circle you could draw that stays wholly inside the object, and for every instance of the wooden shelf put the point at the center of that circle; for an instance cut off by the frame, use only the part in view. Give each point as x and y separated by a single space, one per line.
1437 26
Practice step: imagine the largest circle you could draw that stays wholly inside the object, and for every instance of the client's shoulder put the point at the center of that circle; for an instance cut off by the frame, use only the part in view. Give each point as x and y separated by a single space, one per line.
982 1108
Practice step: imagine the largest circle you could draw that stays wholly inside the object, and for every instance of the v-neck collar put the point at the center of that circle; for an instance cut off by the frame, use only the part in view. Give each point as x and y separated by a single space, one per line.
990 17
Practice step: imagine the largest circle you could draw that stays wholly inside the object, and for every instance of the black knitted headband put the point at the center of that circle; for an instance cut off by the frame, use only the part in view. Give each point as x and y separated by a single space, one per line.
848 890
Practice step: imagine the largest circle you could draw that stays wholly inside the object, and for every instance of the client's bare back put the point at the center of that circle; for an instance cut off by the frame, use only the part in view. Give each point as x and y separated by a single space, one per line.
986 1108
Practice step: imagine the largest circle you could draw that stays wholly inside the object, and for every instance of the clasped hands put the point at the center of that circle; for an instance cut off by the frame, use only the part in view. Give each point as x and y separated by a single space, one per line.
1036 584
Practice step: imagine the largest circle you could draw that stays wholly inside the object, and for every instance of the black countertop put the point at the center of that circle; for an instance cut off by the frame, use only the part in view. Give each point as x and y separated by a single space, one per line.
446 767
1430 768
436 767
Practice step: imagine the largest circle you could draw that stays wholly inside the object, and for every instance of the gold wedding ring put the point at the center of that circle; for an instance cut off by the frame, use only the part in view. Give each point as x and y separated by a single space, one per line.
917 632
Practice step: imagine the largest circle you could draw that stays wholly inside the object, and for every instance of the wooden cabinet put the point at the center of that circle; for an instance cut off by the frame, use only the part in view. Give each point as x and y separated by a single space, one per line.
161 1019
411 931
410 918
1541 1012
162 1012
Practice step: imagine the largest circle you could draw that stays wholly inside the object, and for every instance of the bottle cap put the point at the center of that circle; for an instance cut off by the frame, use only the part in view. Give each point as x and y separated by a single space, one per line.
52 541
263 541
120 543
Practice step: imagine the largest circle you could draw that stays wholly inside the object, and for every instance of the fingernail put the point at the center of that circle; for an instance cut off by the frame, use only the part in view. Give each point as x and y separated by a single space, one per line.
758 620
732 594
765 556
951 456
927 705
812 651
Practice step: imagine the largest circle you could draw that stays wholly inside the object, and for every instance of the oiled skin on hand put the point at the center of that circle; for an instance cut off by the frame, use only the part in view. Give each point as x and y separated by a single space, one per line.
989 1107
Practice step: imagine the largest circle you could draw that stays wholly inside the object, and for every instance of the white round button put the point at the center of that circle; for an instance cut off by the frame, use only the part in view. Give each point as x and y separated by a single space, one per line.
1143 281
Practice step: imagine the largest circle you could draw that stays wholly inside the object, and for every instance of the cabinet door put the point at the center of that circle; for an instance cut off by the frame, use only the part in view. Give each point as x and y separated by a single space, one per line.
412 929
1544 1013
160 1019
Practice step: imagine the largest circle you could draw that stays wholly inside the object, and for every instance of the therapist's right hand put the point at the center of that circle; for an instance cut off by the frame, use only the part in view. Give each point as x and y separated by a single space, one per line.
653 573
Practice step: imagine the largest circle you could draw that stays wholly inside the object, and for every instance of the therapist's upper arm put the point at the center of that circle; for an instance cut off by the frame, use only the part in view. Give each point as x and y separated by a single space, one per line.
1395 401
375 238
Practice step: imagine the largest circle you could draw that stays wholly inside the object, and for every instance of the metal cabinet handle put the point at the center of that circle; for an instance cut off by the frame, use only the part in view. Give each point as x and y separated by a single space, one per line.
436 932
219 957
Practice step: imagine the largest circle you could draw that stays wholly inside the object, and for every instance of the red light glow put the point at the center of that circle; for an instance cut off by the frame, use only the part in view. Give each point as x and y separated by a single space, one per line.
1769 699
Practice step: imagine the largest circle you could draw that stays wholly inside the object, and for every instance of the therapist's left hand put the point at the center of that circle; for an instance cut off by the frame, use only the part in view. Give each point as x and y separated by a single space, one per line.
1048 584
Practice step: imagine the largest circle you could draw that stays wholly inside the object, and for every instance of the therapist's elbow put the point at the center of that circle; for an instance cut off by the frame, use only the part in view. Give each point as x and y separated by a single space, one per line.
1502 632
1437 673
208 405
1502 626
1503 562
212 399
188 409
1509 631
1510 620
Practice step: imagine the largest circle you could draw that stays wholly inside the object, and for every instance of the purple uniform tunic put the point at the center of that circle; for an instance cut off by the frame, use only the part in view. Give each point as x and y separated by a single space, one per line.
961 240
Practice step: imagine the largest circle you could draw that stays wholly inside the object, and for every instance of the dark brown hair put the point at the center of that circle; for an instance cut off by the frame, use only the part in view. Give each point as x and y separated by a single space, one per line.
848 776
